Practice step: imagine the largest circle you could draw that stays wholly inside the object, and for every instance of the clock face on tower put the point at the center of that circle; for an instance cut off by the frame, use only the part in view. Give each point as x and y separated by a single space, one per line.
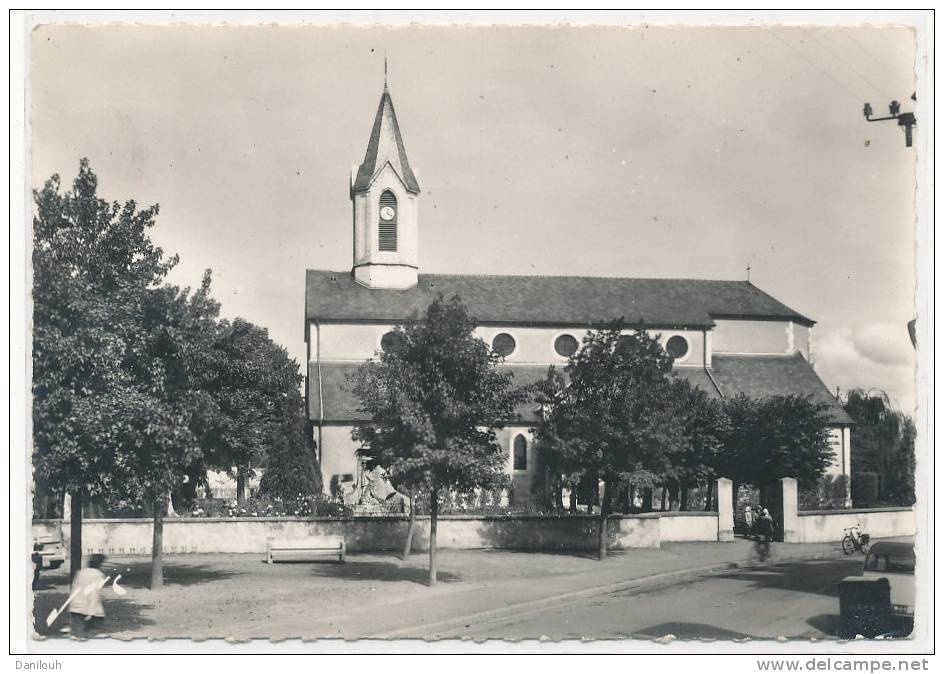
387 213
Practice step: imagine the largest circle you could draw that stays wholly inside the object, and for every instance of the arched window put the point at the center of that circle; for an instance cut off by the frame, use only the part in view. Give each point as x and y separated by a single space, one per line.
387 227
520 448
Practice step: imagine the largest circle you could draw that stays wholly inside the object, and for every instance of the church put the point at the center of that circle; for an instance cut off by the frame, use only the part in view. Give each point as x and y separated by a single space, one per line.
727 337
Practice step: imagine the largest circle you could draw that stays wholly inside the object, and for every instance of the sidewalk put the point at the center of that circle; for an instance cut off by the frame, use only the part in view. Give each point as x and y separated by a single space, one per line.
377 595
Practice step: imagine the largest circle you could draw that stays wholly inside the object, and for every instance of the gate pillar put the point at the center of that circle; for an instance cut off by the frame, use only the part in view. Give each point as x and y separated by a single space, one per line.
788 500
725 510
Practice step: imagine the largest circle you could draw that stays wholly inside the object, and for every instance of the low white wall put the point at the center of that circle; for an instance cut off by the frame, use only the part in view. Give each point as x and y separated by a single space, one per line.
688 526
826 526
245 535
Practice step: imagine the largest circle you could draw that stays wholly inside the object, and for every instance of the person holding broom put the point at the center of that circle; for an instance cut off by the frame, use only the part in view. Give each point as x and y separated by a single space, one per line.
86 610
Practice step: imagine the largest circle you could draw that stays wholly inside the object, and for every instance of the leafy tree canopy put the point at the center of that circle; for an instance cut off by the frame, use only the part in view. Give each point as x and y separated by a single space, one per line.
775 437
93 265
883 439
435 402
617 416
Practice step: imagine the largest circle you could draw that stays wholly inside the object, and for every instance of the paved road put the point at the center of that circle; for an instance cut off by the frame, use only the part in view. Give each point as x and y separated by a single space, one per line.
788 600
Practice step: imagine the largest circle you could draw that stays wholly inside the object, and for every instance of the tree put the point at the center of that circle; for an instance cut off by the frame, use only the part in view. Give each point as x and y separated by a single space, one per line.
434 405
884 439
171 417
616 419
774 437
290 467
705 427
92 261
255 385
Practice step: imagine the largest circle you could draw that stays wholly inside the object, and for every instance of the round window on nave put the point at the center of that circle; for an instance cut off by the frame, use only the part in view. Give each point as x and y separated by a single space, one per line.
565 345
503 344
677 347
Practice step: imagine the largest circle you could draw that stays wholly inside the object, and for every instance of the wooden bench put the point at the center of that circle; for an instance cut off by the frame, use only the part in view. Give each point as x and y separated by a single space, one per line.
300 549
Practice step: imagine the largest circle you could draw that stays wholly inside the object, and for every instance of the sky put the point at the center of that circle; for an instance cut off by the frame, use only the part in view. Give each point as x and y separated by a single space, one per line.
670 152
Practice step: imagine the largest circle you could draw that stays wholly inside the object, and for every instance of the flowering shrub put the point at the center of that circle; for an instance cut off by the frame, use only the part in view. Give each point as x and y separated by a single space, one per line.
482 503
261 506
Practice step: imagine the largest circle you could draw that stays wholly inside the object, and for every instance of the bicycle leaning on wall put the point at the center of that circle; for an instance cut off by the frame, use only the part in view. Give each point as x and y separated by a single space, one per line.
855 540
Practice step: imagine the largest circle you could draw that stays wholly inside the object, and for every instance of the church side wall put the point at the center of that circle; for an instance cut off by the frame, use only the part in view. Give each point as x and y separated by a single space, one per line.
757 337
358 342
339 457
522 481
337 454
350 342
803 338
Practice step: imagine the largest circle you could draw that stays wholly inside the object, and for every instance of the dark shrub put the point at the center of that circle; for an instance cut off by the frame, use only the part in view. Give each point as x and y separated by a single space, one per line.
865 489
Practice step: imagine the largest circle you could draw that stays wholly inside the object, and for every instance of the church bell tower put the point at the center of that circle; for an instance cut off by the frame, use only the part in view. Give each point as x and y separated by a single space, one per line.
385 192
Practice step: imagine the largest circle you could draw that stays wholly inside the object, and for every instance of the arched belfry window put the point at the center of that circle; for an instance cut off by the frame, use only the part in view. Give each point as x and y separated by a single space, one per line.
520 449
387 227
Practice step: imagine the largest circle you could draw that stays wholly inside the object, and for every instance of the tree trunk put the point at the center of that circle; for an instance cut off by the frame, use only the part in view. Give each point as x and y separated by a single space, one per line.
433 512
708 494
665 494
240 484
647 500
409 532
558 495
683 498
630 498
604 514
573 499
75 534
157 552
674 495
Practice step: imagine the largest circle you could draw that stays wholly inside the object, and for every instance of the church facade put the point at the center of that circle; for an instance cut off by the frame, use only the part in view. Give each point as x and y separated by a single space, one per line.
727 337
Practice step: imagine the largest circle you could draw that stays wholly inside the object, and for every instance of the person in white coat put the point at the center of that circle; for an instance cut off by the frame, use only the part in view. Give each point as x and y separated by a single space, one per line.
86 609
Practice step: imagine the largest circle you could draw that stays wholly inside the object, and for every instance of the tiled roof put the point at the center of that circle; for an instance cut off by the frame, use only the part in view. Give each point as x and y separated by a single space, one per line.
340 403
753 375
548 300
385 145
698 378
759 376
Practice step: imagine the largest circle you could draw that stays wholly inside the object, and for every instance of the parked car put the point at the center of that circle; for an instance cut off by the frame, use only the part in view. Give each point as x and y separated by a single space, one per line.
880 600
48 552
896 562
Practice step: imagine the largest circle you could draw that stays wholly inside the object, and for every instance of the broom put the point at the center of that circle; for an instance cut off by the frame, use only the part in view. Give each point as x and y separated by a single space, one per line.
56 612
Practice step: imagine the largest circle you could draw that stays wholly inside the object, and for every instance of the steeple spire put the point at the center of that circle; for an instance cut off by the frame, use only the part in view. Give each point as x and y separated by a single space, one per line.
385 145
385 196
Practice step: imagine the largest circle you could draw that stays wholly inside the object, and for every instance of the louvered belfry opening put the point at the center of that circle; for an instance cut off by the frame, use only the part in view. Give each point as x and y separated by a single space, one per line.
387 230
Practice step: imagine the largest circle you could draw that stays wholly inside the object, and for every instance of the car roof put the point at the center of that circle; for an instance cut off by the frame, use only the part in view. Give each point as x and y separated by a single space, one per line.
888 547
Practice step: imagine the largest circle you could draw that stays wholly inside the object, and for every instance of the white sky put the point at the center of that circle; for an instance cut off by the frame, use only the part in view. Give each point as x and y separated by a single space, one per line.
652 152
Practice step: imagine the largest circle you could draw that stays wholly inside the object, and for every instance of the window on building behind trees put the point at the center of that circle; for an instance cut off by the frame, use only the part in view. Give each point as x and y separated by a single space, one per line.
520 461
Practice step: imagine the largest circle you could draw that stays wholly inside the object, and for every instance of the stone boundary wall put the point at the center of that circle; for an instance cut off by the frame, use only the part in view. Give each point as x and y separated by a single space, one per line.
826 526
689 525
373 534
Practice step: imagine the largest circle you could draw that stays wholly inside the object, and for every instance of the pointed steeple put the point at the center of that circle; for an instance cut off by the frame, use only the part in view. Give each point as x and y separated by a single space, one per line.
385 145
